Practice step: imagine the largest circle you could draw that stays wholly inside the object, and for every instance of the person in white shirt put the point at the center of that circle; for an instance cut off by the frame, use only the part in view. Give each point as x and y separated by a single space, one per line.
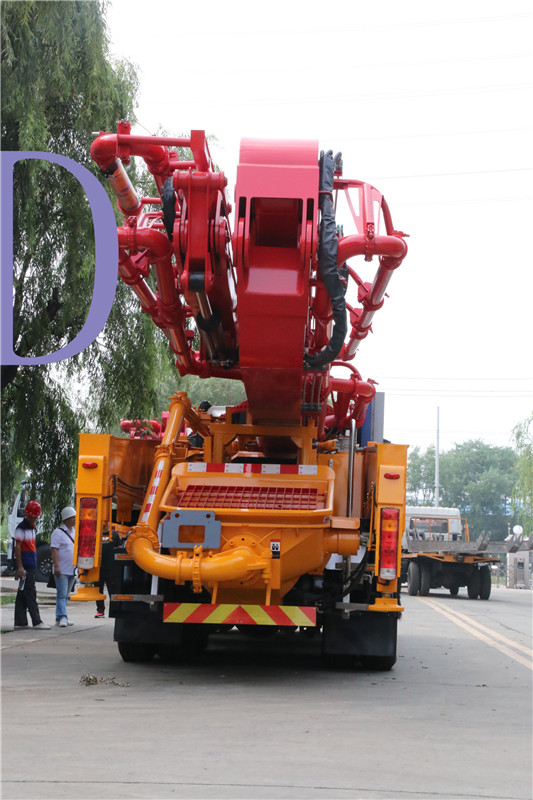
62 547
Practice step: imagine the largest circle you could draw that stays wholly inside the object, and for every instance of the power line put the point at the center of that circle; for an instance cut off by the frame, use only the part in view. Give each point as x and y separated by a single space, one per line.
449 431
462 395
481 201
440 135
452 174
307 68
292 32
440 378
370 97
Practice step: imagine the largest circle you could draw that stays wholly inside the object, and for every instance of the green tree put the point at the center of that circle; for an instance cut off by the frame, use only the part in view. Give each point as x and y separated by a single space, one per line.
58 86
478 479
421 476
217 391
523 489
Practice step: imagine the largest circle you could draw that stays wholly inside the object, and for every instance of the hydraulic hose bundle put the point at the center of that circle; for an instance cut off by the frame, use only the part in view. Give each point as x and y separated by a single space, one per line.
327 261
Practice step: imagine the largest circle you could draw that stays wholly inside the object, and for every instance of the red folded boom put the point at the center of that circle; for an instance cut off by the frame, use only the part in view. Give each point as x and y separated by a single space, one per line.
257 299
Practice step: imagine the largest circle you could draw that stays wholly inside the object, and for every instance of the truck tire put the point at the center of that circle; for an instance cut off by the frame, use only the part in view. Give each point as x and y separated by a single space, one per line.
473 585
485 582
425 580
136 652
194 643
413 579
454 591
44 563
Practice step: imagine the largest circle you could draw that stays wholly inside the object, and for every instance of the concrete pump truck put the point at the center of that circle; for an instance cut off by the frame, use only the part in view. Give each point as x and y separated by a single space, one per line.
273 513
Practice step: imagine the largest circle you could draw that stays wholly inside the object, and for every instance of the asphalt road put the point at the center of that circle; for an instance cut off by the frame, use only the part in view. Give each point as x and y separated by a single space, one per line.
453 719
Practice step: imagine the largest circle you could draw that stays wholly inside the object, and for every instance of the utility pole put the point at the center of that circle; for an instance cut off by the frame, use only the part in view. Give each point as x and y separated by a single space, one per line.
437 462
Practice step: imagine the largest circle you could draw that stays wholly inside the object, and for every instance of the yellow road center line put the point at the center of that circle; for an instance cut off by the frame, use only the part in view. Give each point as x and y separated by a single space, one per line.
495 635
502 648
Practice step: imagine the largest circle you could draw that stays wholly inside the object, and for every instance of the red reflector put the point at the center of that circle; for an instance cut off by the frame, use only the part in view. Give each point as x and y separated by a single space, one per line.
87 530
388 543
89 464
392 476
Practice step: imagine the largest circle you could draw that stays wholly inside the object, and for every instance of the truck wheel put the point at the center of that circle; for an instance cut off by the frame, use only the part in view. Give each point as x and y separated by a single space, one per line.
485 583
425 580
44 563
454 591
413 579
473 585
136 652
194 642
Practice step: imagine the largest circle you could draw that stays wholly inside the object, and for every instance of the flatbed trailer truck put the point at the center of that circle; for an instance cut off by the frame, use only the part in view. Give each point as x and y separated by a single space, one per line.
437 552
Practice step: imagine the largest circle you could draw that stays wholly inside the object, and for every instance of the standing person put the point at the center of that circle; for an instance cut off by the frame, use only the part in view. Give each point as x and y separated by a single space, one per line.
62 547
107 572
26 555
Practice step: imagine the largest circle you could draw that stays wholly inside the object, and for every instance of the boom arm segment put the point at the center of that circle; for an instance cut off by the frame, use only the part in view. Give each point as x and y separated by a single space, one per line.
268 319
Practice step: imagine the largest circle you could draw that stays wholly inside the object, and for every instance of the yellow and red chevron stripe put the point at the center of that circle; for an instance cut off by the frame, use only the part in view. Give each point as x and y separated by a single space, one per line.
234 614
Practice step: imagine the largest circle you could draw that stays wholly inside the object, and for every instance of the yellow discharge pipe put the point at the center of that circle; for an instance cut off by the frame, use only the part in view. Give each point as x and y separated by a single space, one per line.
228 566
344 543
180 405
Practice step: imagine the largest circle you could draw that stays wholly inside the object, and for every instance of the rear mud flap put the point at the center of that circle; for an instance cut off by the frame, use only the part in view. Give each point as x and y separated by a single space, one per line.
362 634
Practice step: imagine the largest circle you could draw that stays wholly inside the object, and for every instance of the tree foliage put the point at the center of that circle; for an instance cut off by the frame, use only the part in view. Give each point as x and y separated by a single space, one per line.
523 488
217 391
475 477
421 476
58 86
30 438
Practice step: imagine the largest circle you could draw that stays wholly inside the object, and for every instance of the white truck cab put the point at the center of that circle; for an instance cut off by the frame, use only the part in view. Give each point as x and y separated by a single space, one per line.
431 524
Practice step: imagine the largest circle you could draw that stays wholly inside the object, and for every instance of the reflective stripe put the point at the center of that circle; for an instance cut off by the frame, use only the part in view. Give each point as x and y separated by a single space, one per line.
153 490
235 614
255 469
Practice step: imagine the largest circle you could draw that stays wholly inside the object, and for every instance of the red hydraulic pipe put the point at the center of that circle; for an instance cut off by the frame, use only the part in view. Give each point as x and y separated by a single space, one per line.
145 238
348 389
140 142
359 245
104 150
154 150
142 428
108 146
392 251
129 273
166 310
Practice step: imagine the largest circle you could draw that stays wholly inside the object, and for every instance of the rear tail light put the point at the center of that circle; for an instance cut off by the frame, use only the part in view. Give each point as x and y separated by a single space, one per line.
388 547
87 532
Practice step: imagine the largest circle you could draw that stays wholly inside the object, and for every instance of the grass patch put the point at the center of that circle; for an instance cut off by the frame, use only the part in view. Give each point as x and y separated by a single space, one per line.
8 599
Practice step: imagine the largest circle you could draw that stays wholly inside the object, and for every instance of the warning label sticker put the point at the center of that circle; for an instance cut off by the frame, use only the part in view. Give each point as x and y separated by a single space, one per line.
275 548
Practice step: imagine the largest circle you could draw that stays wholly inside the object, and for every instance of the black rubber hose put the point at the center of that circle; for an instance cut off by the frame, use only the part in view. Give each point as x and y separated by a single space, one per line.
168 200
327 262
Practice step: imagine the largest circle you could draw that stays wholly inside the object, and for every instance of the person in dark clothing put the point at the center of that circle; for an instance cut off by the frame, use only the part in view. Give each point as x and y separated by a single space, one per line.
107 577
26 555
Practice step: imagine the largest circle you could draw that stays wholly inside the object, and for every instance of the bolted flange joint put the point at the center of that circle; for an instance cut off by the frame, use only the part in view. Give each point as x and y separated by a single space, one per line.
142 531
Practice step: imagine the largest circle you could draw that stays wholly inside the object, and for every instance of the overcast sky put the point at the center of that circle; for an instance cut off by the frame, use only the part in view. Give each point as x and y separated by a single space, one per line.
429 102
